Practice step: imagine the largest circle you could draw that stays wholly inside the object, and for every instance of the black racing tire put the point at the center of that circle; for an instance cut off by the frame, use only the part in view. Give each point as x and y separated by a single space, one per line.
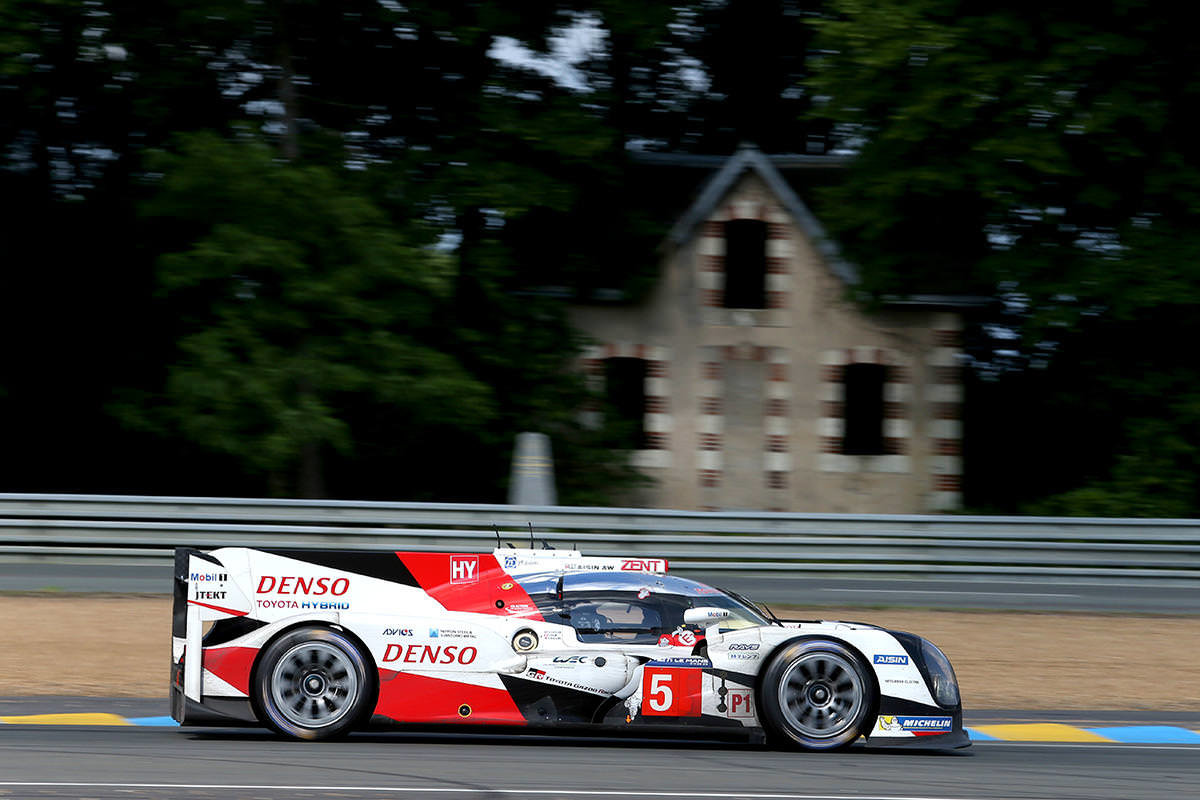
816 694
313 683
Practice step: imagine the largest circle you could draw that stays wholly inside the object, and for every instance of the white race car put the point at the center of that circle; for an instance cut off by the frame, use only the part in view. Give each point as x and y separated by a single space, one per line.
317 643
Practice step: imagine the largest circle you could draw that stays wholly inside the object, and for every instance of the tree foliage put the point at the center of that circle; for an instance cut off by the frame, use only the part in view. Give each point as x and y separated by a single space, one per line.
1050 153
296 295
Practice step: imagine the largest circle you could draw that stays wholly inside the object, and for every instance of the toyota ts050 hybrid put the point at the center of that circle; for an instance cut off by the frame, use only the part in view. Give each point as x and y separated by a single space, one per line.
315 644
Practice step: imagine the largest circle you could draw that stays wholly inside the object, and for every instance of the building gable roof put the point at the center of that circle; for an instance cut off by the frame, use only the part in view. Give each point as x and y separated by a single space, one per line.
749 158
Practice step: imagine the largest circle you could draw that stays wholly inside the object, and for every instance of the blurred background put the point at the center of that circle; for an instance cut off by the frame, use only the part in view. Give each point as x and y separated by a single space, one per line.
326 249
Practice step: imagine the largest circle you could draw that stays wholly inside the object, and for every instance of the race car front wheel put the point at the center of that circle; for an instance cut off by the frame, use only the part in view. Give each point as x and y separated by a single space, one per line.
312 683
815 695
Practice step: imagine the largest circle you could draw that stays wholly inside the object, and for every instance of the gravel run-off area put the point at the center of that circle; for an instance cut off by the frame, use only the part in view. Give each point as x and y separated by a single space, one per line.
120 647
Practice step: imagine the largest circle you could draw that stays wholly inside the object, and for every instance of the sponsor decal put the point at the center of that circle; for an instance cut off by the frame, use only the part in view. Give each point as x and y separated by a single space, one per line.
520 608
740 704
716 613
209 595
571 659
705 590
552 634
677 639
510 562
643 565
294 584
397 632
429 654
643 593
744 656
542 675
197 577
743 646
880 658
681 661
902 681
505 586
916 724
314 605
451 633
464 569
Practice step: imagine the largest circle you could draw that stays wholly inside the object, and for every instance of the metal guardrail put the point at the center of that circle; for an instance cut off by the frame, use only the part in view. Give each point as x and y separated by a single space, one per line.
118 528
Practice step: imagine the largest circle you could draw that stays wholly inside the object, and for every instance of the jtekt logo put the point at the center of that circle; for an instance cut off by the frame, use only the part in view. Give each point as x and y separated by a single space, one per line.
464 569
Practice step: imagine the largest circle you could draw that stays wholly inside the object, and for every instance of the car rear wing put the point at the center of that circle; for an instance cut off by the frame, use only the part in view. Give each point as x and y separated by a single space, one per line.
524 561
204 591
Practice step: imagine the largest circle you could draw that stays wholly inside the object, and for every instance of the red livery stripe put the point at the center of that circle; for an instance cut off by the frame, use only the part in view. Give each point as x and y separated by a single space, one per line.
231 664
470 582
409 697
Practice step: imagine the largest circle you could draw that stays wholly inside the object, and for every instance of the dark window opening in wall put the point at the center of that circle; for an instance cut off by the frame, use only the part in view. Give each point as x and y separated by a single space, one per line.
745 264
625 387
864 409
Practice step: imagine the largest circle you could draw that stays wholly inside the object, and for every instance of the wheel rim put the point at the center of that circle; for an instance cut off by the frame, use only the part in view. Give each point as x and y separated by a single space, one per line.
314 684
821 695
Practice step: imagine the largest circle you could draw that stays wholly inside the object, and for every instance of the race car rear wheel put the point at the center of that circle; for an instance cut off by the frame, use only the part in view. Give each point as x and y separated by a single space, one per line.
816 695
312 683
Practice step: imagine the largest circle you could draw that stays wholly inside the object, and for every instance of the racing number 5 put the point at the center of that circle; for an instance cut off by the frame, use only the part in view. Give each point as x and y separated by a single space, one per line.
671 692
660 684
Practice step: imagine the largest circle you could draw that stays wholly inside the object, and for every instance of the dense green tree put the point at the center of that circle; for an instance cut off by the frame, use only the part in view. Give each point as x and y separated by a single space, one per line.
296 294
1052 153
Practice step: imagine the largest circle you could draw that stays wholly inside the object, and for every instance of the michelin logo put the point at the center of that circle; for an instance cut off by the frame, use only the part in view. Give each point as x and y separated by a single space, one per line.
889 659
916 724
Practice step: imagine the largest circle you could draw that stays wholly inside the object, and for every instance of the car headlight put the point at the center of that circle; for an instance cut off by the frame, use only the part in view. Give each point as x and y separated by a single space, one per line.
941 674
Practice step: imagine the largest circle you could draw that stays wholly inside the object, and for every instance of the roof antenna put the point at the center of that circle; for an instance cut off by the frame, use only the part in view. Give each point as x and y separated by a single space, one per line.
497 530
531 535
546 545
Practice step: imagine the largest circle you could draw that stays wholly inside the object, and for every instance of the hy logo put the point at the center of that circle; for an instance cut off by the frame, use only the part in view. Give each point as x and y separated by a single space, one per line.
464 569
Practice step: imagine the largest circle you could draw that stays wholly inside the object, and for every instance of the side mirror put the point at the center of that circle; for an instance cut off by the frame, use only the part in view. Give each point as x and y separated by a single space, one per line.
704 616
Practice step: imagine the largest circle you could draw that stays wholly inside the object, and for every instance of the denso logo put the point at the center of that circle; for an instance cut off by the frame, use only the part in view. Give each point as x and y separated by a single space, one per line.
644 565
429 654
464 569
888 659
197 577
298 585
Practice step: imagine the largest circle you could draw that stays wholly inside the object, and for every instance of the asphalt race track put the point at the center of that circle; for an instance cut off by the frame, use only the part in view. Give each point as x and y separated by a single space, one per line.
149 762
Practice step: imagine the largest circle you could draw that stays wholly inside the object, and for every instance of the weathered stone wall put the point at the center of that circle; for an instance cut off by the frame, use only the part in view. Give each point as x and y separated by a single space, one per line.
744 405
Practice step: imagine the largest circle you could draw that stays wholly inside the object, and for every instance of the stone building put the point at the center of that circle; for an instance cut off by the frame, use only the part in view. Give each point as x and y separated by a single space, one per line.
753 379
